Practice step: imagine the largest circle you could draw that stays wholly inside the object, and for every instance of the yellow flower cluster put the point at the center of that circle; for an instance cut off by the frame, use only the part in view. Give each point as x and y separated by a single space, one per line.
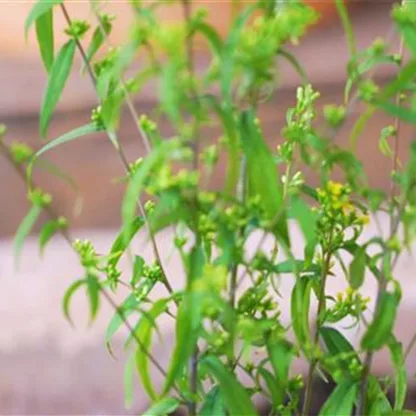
335 199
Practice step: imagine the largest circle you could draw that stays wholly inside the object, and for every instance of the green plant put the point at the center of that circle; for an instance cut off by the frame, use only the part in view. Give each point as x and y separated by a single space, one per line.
221 325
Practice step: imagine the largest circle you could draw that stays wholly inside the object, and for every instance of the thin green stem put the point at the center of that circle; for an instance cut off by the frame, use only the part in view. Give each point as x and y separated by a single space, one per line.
321 309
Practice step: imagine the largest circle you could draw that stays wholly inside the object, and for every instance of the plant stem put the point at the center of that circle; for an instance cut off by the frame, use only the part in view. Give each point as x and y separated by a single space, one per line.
67 236
382 284
321 308
123 158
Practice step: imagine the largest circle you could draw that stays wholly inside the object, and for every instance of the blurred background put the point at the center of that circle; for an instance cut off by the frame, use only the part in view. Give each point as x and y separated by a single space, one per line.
47 367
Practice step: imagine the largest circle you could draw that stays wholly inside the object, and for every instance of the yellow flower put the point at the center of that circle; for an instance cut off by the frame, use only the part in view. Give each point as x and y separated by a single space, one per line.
347 207
335 188
364 220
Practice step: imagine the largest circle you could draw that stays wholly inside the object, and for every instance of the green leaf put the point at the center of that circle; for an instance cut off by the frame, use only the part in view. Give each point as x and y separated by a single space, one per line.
409 35
170 96
44 34
58 76
357 268
38 10
129 367
213 404
129 305
235 397
377 402
228 57
137 270
97 40
280 353
262 174
341 400
400 413
68 296
123 240
144 333
402 113
24 230
379 331
400 382
212 36
300 302
306 219
93 291
348 29
163 407
275 390
188 323
337 344
48 231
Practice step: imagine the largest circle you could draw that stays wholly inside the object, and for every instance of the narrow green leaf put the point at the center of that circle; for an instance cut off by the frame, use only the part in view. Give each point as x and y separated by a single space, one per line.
235 397
379 331
212 36
24 230
163 407
68 137
357 268
341 400
48 231
402 113
409 35
123 240
280 353
377 402
400 382
44 34
228 57
129 367
137 270
144 333
58 76
306 219
337 344
97 40
276 391
213 404
93 291
300 302
68 296
348 29
38 10
262 173
170 96
187 329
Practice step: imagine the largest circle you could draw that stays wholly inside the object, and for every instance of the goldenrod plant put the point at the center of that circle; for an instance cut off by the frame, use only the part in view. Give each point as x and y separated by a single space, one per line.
228 312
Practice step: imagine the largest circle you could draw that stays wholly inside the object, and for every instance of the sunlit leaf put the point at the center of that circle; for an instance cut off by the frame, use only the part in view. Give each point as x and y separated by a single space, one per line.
163 407
38 10
341 400
24 230
144 333
213 404
379 331
262 174
235 397
93 291
357 268
300 302
129 367
123 240
68 296
58 77
47 232
400 382
44 34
